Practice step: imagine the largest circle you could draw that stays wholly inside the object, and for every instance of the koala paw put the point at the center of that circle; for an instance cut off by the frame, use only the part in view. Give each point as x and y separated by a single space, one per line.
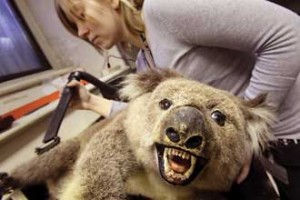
6 184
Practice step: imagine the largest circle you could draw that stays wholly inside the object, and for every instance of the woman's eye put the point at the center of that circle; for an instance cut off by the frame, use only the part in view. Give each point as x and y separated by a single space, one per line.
218 117
165 104
81 16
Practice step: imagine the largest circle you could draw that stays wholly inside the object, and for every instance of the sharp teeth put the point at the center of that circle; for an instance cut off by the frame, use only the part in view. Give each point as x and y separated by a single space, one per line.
168 170
173 152
193 160
180 154
188 156
176 152
166 166
190 171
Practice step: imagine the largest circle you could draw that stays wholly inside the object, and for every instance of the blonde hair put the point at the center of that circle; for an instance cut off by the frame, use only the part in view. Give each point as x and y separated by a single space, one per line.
130 10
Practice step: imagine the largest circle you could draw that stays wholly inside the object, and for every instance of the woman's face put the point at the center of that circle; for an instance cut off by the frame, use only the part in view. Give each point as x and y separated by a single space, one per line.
104 29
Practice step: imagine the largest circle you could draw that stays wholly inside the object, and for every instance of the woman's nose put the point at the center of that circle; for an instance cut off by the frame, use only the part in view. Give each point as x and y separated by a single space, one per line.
83 31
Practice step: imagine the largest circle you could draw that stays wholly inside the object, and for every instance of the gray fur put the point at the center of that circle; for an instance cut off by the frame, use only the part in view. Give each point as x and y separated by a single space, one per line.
51 165
119 156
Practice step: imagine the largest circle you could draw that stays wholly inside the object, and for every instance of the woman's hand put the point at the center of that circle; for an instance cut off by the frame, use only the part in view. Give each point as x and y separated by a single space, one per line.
245 168
88 101
83 96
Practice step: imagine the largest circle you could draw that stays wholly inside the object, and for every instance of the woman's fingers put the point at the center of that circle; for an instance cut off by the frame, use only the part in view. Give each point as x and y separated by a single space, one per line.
82 97
73 83
246 167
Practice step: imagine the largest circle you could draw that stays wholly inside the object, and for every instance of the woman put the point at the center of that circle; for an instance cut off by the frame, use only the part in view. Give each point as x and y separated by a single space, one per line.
245 47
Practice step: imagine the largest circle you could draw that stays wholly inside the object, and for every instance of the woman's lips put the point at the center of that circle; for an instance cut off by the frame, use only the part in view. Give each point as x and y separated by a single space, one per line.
93 40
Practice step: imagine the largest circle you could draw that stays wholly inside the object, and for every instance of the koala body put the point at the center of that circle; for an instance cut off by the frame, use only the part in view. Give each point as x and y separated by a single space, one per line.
177 139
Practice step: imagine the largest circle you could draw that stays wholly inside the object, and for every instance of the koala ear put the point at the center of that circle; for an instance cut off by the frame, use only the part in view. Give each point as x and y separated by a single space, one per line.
135 85
258 117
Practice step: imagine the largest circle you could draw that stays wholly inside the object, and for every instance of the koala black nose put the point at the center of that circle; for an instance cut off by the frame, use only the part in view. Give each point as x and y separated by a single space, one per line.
172 134
193 142
184 126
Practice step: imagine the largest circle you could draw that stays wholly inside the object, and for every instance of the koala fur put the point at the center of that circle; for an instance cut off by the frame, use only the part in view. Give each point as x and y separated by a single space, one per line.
177 139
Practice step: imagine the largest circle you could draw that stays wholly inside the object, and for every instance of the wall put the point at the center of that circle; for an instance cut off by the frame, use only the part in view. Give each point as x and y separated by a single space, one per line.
62 49
70 50
67 51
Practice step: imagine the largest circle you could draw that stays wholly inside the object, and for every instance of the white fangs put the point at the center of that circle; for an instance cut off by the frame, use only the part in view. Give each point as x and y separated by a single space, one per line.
168 152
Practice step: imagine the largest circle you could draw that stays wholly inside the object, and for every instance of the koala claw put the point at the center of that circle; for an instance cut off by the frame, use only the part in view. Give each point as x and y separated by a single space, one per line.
6 184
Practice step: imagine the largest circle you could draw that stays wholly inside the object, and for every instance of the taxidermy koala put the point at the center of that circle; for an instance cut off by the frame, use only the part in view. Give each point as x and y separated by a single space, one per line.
177 139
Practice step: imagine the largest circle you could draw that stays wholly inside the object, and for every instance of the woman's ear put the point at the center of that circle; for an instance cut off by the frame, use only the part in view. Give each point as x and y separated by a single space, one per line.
115 4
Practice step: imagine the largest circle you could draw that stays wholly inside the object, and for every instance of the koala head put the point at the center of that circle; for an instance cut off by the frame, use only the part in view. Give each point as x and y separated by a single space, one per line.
191 133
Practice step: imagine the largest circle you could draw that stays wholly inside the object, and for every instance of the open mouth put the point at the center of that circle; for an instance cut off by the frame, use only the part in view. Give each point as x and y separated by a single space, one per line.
178 166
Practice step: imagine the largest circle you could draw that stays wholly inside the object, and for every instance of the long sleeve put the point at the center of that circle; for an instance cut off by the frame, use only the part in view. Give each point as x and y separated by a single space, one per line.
270 32
116 107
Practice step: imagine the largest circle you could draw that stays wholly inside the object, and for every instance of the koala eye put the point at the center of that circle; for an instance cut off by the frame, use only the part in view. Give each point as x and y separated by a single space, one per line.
165 104
218 117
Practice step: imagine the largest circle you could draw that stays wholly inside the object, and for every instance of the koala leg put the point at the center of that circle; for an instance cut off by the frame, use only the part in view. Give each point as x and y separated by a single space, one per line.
49 165
103 167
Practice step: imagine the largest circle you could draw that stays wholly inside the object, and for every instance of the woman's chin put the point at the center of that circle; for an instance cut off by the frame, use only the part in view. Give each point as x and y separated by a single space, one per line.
100 49
104 46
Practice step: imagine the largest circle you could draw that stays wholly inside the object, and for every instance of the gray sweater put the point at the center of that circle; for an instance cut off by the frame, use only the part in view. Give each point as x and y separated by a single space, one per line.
247 47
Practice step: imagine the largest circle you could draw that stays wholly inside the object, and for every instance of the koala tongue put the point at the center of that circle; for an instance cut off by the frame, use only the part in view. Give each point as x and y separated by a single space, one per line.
178 167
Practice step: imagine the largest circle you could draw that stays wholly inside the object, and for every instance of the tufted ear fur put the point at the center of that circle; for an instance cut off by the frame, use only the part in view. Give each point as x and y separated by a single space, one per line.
259 117
137 84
